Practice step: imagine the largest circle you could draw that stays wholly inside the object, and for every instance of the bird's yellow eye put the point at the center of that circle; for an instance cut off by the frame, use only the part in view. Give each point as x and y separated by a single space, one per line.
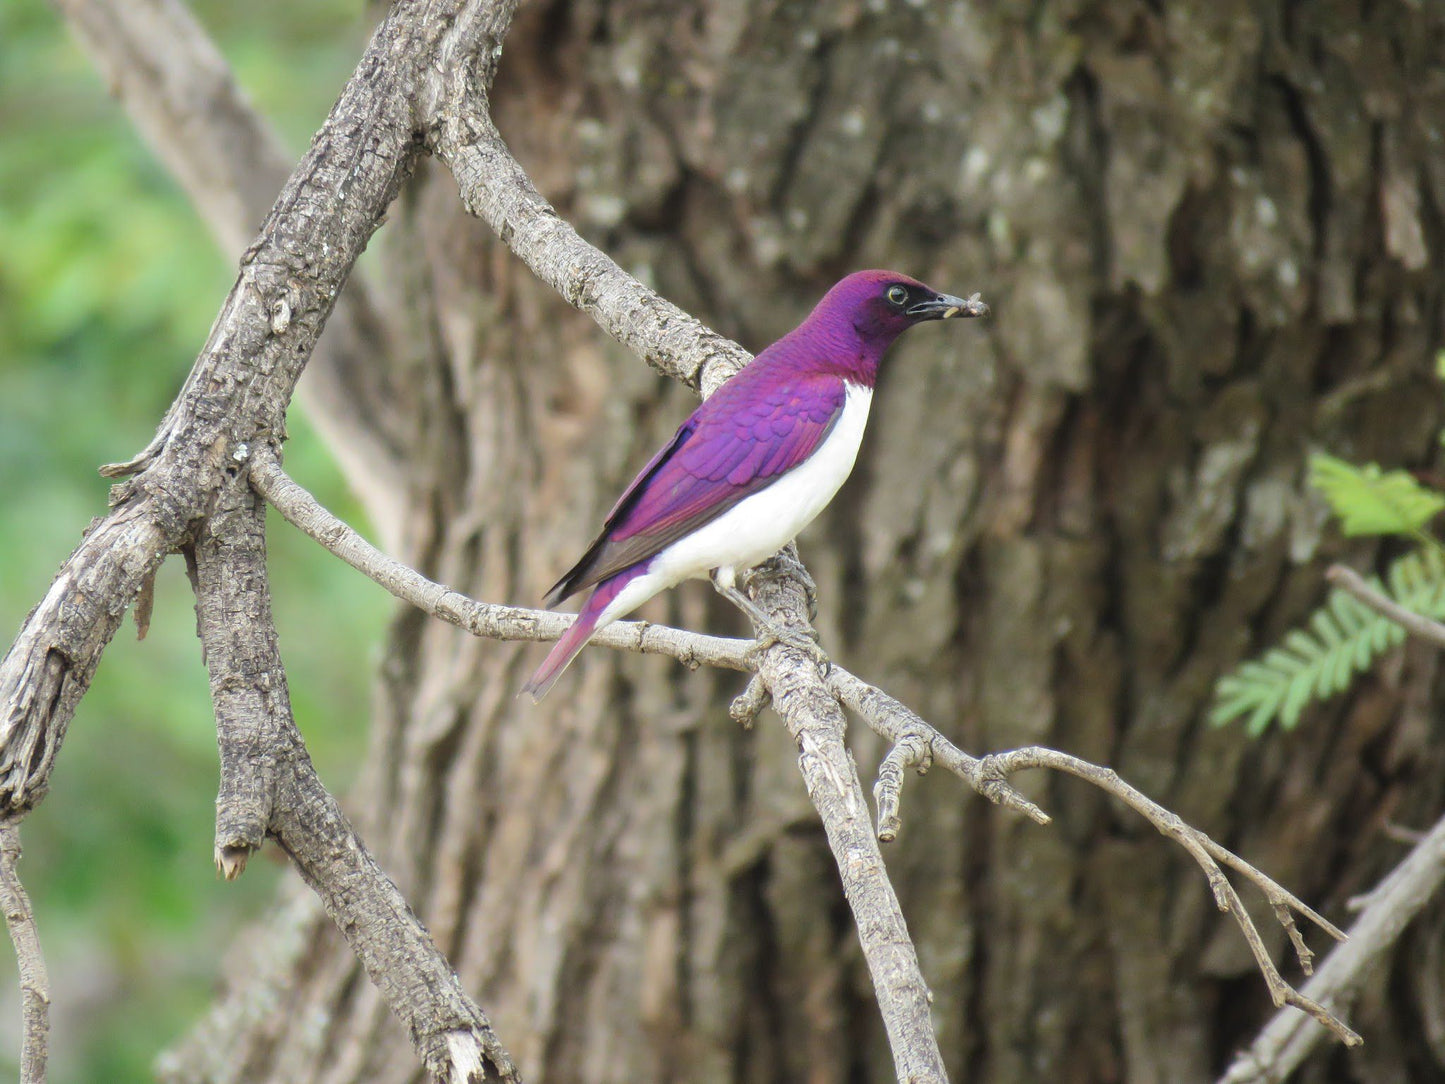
897 295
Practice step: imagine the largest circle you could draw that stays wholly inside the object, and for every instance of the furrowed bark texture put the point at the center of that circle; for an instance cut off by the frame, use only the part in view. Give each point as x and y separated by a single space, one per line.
1212 239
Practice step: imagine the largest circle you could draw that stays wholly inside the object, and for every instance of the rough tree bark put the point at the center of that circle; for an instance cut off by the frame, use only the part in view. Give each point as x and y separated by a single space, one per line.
1212 237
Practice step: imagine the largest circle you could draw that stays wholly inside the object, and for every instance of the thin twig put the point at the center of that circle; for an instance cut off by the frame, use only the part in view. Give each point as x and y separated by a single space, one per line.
749 704
1287 1039
989 777
1351 582
912 752
1205 852
34 980
487 620
900 724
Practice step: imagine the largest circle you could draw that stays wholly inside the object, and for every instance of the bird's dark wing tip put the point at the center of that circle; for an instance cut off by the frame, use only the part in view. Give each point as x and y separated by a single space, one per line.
564 588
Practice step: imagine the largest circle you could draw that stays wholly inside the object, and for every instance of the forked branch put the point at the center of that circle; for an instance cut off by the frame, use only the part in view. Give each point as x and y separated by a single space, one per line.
915 742
269 788
1286 1040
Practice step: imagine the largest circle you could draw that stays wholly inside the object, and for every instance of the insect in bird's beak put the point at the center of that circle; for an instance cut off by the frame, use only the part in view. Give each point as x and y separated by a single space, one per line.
947 307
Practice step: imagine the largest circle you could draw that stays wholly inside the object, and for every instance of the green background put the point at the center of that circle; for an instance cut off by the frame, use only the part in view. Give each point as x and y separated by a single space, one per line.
108 285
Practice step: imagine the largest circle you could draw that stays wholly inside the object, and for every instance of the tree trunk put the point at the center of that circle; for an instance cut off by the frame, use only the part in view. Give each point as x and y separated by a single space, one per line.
1211 236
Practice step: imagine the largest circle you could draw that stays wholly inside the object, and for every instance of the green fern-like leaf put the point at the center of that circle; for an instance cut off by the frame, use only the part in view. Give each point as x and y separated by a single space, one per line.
1368 500
1341 639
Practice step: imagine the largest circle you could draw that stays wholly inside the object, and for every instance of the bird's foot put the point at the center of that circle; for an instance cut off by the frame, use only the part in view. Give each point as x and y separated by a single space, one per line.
769 633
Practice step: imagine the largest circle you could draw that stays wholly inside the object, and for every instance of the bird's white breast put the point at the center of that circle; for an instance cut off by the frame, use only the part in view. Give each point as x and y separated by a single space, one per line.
758 526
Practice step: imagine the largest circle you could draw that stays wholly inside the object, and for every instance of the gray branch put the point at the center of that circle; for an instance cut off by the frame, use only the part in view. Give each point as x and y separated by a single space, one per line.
184 99
493 622
270 788
1351 582
236 395
34 980
1209 855
496 189
912 752
1288 1037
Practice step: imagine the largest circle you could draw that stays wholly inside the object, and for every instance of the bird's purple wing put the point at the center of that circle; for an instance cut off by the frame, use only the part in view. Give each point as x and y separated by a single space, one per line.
753 430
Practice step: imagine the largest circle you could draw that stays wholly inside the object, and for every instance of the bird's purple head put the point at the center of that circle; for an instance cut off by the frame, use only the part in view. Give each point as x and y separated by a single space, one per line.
880 305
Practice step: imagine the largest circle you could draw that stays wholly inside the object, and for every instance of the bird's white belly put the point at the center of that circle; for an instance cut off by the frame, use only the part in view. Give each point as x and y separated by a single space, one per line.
758 526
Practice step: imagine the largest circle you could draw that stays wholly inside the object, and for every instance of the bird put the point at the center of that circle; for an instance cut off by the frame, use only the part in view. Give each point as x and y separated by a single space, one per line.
752 466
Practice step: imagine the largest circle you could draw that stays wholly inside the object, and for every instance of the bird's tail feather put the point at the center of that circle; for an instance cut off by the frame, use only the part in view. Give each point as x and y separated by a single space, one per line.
575 638
562 653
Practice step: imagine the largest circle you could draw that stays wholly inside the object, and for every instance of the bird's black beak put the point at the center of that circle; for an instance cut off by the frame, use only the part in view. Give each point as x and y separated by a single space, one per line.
946 307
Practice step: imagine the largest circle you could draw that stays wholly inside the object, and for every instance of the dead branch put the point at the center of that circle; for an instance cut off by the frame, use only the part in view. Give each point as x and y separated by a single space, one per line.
920 742
269 788
184 100
1351 582
904 728
1287 1039
236 394
1209 855
299 508
496 189
34 980
912 752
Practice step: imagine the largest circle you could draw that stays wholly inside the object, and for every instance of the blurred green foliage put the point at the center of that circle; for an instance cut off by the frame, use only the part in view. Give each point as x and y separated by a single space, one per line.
108 285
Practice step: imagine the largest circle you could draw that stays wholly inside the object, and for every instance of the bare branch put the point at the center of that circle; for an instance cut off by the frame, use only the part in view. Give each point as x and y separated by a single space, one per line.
912 752
236 394
184 99
1288 1038
1208 854
34 980
496 189
916 739
487 620
903 727
269 787
818 726
1351 582
749 704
